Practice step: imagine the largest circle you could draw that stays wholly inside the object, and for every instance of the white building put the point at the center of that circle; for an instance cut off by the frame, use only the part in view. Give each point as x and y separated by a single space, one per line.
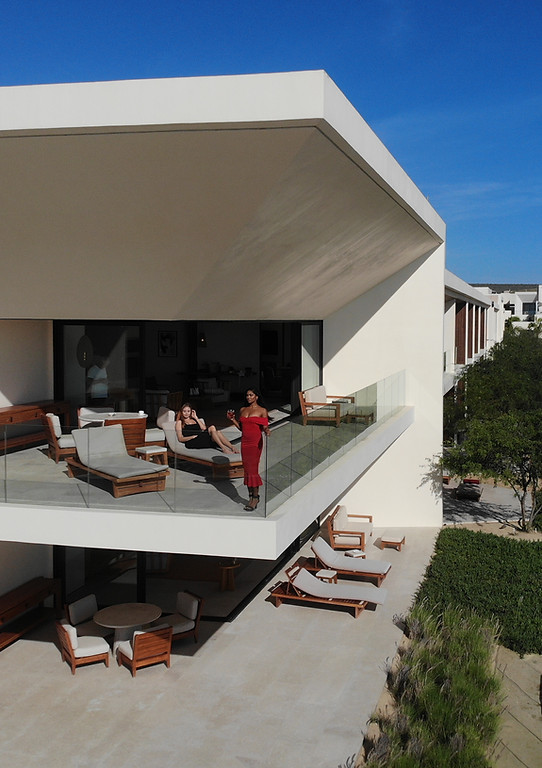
521 301
190 207
474 321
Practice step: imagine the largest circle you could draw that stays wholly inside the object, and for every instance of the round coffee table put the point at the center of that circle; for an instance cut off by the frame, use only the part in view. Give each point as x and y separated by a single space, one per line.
125 618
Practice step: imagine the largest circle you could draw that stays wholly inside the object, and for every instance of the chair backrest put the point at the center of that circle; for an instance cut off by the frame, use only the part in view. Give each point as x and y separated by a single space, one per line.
188 605
51 421
340 518
83 609
165 415
151 644
99 444
323 551
312 395
133 431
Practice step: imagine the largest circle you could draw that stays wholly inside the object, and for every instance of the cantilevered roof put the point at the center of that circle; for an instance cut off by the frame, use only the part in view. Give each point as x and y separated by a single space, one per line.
247 197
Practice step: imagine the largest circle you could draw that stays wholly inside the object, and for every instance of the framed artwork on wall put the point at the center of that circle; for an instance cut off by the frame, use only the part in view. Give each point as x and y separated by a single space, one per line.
167 343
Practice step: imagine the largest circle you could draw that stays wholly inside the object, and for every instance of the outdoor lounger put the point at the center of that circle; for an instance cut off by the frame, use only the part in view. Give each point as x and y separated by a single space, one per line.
223 465
302 586
326 557
101 451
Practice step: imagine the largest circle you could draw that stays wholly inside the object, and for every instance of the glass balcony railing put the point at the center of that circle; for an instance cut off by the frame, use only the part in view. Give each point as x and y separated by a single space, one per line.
293 455
296 453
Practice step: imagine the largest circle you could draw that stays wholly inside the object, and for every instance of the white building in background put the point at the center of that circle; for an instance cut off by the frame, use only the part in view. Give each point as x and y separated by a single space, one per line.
517 300
264 202
474 320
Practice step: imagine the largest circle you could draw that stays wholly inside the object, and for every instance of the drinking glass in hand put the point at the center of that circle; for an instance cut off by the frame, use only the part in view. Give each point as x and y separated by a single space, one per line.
230 413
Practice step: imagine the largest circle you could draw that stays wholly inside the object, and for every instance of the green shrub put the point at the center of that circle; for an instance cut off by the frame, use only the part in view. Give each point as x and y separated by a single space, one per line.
446 694
495 576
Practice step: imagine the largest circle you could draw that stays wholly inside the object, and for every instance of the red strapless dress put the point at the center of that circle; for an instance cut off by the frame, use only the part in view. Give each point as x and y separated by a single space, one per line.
251 448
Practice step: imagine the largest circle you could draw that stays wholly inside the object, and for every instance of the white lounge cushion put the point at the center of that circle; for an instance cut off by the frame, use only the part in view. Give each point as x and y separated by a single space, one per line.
91 646
104 449
340 561
309 584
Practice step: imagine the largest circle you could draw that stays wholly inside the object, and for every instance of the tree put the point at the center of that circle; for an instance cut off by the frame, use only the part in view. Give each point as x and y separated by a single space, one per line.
497 416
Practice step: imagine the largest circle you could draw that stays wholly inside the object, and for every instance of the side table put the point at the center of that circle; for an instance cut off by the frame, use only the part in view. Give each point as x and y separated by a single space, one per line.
326 574
156 453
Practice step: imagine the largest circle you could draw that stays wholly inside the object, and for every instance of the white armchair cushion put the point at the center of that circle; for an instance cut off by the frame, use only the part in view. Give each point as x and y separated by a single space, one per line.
91 646
180 623
55 423
66 441
187 605
83 609
125 647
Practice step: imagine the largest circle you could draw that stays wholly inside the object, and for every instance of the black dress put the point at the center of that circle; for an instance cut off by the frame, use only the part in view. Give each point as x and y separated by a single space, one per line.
202 440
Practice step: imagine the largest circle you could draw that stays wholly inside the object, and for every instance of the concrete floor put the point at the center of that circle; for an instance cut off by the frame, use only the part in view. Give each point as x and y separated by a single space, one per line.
277 688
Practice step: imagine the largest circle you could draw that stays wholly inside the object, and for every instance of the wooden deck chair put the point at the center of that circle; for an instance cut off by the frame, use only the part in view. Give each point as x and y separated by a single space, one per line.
326 557
303 587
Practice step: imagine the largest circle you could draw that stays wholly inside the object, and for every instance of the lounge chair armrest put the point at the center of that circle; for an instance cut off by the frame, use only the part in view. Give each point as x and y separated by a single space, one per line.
368 517
347 398
326 404
348 532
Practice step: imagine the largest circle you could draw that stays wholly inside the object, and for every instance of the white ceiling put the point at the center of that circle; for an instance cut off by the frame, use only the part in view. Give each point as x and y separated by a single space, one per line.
246 223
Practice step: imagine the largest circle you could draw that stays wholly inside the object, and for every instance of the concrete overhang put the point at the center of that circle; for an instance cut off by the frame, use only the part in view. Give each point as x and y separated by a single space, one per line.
456 288
246 198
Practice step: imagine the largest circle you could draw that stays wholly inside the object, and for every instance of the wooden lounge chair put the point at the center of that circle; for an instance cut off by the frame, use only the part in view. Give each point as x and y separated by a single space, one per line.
348 530
223 465
80 650
101 451
303 587
145 648
326 557
316 405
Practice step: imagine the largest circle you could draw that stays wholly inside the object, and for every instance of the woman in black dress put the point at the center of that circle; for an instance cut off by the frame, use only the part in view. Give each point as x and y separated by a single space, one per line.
194 433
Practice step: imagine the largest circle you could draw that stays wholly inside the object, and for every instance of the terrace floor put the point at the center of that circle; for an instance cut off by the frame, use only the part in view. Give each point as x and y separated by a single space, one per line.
276 688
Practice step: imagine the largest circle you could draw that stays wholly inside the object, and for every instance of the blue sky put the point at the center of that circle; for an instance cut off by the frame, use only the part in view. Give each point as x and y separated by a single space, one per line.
454 89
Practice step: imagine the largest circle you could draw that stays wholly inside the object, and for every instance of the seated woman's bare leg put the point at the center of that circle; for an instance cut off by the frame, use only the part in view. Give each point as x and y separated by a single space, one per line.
221 441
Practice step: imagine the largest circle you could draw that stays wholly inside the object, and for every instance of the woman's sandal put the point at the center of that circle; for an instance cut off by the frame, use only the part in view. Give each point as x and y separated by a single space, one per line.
250 507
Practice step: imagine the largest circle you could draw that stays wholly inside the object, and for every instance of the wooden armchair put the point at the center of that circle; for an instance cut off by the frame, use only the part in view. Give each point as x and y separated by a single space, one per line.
348 530
146 648
59 446
185 621
80 650
316 405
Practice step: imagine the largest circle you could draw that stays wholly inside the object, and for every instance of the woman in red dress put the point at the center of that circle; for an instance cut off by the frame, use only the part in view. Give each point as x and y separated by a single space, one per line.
253 423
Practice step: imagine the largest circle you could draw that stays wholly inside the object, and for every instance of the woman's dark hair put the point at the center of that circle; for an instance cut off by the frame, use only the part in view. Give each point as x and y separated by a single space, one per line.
258 395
